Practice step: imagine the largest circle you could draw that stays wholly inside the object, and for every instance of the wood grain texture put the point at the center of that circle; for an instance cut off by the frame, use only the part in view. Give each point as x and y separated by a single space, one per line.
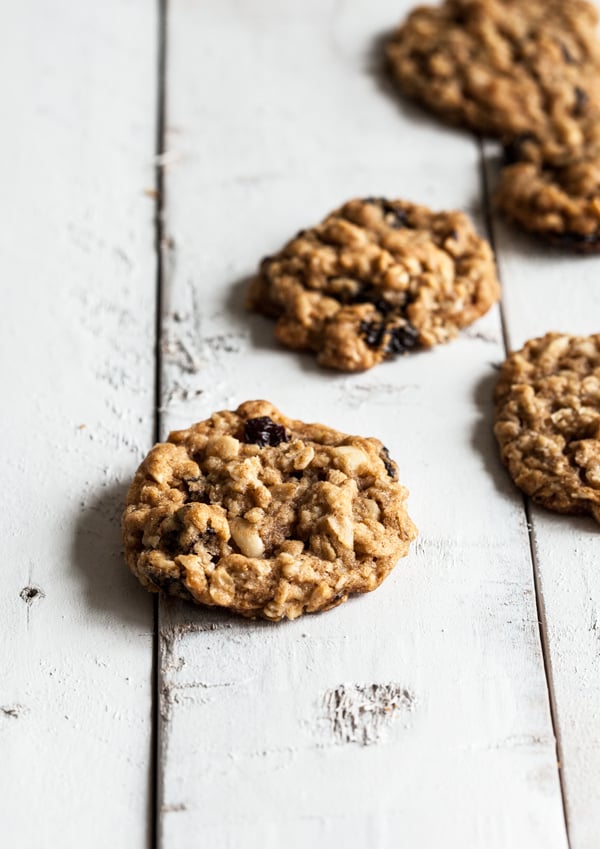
76 236
418 715
546 290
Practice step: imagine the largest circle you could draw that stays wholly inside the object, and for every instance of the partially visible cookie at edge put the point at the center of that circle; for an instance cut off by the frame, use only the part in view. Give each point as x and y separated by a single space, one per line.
375 279
264 515
558 203
504 67
548 421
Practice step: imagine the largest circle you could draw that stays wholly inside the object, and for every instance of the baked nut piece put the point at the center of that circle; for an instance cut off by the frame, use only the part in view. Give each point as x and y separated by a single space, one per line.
265 515
503 67
548 421
376 278
559 203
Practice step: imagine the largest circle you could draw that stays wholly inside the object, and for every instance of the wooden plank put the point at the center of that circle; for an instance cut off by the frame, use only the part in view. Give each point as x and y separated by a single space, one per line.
76 235
545 290
275 115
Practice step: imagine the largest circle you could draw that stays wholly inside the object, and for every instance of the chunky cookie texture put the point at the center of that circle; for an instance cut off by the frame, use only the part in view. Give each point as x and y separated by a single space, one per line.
504 67
559 203
548 152
548 421
264 515
375 279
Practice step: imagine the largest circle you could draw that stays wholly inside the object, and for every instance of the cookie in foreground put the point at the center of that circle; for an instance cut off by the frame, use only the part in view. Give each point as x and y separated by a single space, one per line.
560 203
375 279
503 67
548 421
264 515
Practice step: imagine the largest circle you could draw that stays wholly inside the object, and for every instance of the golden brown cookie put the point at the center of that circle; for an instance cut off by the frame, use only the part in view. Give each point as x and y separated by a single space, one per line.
560 203
375 279
548 421
265 515
504 67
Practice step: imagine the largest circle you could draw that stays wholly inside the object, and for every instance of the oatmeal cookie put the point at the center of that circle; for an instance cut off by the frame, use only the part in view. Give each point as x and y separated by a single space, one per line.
375 279
559 203
265 515
548 421
504 67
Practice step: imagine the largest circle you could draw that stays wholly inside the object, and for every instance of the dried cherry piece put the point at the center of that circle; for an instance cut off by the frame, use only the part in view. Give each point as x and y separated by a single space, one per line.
373 333
399 216
387 462
264 431
402 339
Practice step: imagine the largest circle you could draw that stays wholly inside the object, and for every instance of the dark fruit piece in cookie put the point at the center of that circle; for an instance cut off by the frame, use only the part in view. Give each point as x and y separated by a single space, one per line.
264 431
389 464
402 339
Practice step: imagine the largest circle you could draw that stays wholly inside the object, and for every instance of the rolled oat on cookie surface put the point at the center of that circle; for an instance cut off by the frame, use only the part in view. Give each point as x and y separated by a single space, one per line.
375 279
264 515
548 421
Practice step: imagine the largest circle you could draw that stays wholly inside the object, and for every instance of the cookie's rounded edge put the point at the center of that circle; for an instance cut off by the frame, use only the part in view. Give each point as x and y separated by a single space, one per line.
354 334
171 578
537 484
541 198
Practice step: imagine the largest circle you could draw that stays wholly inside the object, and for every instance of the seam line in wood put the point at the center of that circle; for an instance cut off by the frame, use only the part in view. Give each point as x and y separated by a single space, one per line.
543 628
159 237
488 215
488 218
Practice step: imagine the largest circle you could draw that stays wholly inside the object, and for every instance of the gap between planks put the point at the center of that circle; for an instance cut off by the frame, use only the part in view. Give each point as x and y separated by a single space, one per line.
488 218
159 248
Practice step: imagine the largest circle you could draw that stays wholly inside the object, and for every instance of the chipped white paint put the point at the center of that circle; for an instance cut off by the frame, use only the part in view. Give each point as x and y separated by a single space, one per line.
78 100
549 290
360 713
276 113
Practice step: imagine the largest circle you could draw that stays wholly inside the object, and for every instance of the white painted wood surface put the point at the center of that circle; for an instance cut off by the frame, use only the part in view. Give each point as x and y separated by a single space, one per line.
78 271
275 115
418 716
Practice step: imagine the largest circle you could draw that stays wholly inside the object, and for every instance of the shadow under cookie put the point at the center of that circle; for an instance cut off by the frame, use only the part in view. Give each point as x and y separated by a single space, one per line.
108 587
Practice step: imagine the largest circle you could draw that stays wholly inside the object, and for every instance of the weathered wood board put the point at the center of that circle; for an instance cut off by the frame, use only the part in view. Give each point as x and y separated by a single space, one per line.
430 695
76 235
